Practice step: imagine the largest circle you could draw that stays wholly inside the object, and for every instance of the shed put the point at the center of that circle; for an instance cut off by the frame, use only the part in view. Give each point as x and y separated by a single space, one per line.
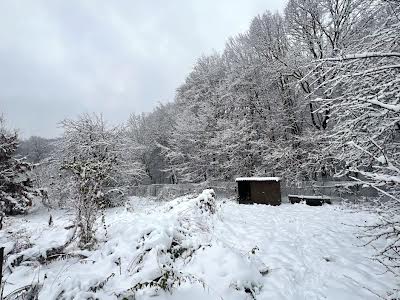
262 190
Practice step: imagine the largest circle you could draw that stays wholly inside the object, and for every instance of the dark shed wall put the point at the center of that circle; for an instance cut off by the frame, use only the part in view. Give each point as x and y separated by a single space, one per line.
259 192
262 192
244 192
266 192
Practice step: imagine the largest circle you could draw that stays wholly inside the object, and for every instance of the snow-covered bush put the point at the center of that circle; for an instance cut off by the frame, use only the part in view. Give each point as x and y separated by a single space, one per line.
163 255
99 165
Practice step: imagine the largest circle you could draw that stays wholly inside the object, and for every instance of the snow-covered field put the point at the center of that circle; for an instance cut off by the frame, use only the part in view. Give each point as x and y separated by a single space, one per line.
196 250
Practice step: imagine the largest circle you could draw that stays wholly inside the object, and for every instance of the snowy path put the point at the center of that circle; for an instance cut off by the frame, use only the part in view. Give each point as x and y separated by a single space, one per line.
312 251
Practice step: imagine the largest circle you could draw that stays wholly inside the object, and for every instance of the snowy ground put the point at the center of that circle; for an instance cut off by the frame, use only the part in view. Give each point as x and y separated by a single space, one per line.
240 252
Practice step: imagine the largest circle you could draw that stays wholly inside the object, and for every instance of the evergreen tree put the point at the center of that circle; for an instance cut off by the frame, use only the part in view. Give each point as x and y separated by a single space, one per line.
16 191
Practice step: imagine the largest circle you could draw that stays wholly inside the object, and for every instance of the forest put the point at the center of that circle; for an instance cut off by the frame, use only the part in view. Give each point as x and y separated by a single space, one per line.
311 94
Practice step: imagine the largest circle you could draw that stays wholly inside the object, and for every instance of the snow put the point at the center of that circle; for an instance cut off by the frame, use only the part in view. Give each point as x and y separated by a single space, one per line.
258 179
223 249
393 107
363 56
381 159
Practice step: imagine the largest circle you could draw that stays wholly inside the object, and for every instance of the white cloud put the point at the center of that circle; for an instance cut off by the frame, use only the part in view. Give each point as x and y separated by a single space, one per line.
61 58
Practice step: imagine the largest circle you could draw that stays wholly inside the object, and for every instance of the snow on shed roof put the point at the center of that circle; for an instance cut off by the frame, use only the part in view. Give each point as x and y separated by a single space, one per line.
258 179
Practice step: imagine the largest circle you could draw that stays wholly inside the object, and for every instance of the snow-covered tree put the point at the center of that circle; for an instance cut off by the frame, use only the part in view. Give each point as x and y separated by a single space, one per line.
54 182
363 94
16 188
36 148
360 89
197 109
147 135
100 167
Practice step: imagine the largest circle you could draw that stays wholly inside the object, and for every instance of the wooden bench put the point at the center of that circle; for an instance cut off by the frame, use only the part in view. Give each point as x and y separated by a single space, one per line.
310 200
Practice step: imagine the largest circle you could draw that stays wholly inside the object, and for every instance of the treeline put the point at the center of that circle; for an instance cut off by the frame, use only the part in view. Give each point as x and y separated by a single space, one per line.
310 93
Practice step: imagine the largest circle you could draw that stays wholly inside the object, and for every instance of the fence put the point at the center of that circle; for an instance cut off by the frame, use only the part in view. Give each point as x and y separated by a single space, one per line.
227 189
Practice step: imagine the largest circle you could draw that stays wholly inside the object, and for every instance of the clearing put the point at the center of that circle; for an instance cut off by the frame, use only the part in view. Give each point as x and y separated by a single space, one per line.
238 252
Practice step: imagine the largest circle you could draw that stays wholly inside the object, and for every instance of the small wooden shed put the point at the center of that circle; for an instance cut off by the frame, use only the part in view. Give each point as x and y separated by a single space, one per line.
262 190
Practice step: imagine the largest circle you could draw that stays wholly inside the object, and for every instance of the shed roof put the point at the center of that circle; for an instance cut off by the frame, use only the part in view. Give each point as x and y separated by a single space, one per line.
258 179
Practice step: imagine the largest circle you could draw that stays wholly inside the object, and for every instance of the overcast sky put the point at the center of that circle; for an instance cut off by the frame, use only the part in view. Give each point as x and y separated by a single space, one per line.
62 58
